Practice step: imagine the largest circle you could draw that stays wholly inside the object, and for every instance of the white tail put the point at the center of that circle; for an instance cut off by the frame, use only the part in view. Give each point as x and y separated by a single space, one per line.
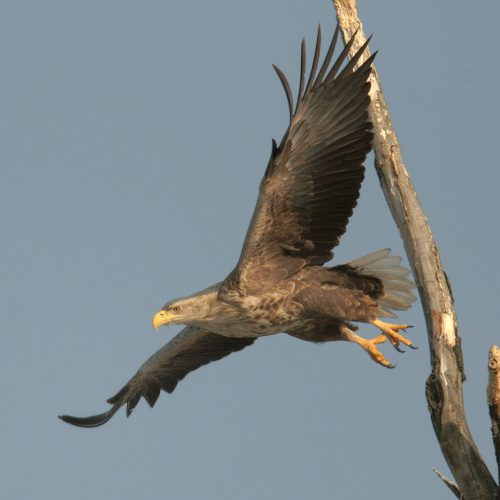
397 286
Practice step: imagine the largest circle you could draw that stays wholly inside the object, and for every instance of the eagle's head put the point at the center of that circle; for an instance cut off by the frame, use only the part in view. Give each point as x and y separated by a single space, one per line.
186 311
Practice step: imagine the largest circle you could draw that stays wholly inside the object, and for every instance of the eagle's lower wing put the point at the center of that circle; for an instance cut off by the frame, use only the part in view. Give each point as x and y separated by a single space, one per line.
312 182
187 351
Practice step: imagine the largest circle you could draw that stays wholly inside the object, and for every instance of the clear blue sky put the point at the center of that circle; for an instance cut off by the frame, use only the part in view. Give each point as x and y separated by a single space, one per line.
134 138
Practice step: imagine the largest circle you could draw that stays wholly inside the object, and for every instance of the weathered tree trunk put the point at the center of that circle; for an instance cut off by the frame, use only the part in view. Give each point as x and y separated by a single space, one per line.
444 385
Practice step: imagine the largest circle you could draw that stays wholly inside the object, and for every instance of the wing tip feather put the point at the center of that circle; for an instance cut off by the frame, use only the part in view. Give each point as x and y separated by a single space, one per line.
286 87
88 422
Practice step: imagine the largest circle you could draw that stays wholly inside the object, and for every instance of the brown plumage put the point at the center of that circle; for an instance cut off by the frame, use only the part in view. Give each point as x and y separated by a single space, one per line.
281 283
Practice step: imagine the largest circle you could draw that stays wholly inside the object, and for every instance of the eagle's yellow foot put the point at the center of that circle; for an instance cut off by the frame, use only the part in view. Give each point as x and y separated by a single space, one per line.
391 330
370 346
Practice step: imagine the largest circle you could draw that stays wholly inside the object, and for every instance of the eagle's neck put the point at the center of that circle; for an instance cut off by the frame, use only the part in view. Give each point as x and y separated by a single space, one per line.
211 308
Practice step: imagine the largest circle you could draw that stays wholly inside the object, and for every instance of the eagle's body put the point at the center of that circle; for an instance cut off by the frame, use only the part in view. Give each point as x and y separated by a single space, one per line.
314 295
281 282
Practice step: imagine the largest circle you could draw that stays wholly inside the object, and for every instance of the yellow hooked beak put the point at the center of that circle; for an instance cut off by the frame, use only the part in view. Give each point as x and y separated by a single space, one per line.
162 318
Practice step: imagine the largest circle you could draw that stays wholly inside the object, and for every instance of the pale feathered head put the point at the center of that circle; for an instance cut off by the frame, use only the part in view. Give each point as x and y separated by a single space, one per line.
186 311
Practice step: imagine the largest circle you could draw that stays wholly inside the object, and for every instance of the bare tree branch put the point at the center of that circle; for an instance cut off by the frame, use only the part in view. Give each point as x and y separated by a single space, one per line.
446 480
494 401
444 385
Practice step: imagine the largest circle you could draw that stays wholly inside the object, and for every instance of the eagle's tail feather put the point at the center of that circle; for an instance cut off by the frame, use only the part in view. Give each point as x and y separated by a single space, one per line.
397 286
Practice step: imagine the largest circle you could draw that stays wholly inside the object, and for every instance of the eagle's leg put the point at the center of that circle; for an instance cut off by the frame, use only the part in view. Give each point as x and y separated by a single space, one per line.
391 330
369 345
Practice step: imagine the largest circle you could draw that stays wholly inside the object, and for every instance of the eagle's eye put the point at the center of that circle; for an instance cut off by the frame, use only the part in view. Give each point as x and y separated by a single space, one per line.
176 309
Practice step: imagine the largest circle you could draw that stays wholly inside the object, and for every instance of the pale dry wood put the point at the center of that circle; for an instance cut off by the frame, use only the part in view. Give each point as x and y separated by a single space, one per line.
444 385
446 480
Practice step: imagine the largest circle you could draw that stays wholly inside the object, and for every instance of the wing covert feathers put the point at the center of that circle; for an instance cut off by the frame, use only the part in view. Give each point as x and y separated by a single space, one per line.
186 352
312 181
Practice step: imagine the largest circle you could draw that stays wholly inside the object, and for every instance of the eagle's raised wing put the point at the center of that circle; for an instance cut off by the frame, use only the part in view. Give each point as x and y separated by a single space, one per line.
313 178
187 351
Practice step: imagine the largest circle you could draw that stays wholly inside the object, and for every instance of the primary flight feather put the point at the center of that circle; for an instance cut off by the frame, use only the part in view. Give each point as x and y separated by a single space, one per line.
281 284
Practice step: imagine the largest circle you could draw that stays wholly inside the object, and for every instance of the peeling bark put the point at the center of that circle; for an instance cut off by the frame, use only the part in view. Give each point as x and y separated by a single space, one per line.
444 385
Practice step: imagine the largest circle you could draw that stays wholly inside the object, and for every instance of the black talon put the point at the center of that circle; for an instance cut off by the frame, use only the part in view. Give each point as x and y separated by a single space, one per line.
393 343
413 347
391 366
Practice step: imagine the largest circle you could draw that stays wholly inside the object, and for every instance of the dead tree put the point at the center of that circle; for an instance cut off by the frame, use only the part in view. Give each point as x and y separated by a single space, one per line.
444 384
